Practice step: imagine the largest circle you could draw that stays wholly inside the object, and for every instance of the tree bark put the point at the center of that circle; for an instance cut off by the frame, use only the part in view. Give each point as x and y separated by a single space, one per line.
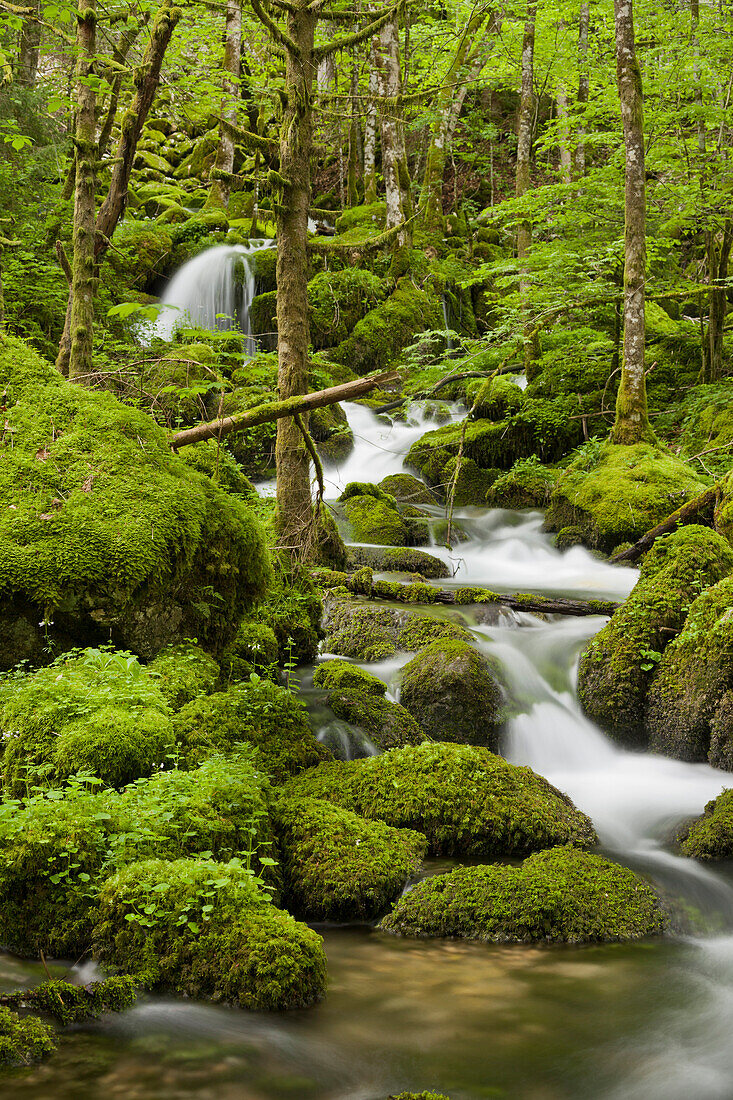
370 126
352 174
83 280
276 410
224 164
394 159
632 421
525 122
717 251
583 85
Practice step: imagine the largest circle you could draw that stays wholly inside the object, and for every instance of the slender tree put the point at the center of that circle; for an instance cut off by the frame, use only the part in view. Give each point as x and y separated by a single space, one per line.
224 164
525 125
583 85
394 158
370 127
632 421
29 47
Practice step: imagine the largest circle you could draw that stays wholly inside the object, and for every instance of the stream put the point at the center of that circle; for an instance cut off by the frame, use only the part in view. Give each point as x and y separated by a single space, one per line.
643 1021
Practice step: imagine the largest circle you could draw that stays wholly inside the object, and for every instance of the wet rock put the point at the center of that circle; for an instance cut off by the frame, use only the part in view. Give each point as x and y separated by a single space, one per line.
710 836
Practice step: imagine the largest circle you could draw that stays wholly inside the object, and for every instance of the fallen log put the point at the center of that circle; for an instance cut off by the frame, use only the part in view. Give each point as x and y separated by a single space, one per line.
362 583
275 410
671 523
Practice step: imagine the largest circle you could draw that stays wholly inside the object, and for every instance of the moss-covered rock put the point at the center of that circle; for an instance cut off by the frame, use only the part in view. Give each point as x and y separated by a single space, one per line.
293 612
338 300
453 693
24 1039
381 335
183 672
407 489
616 493
344 676
615 668
494 399
465 800
258 712
558 896
367 633
375 519
106 530
402 559
331 433
97 711
710 836
689 714
254 649
210 934
337 866
388 724
528 484
142 253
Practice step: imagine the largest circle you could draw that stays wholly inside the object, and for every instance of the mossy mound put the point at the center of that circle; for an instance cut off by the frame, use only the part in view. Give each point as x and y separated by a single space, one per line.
418 1096
293 612
616 493
258 712
453 693
97 711
557 896
375 521
254 649
24 1039
690 703
528 484
366 633
337 866
710 836
344 676
385 331
184 672
495 399
331 433
338 300
407 489
106 530
401 559
615 668
465 800
203 929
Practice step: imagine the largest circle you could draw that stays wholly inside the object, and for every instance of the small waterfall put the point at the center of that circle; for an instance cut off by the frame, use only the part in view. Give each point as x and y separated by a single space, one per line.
446 324
346 742
214 290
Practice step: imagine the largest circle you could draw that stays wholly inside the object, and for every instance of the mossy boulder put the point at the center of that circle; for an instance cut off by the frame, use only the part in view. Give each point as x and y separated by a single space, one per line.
465 800
690 702
345 676
73 1004
616 493
615 668
24 1039
254 649
385 331
338 300
331 433
258 712
375 519
183 672
337 866
293 612
468 483
407 489
366 633
494 399
402 559
142 253
528 484
453 693
94 711
557 896
106 530
358 698
211 934
710 836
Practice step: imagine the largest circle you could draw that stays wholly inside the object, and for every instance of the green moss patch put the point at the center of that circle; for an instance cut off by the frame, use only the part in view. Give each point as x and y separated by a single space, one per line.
710 836
337 866
557 896
24 1040
184 672
402 559
366 633
465 800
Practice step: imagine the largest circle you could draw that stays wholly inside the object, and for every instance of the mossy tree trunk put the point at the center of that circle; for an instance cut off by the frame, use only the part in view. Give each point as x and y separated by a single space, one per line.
525 126
717 251
394 158
85 150
470 57
352 175
370 126
632 421
583 85
224 164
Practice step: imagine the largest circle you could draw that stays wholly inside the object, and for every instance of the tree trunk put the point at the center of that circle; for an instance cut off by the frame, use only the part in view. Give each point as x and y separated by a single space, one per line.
29 48
632 421
718 257
583 85
224 164
525 122
370 126
354 142
296 135
394 160
83 281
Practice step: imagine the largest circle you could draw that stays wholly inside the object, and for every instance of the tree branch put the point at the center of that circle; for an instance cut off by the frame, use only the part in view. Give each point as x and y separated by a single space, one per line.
250 140
348 40
277 33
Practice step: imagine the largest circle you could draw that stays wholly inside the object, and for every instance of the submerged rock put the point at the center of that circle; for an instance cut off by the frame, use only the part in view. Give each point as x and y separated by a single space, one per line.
465 800
336 865
557 896
453 693
358 698
617 666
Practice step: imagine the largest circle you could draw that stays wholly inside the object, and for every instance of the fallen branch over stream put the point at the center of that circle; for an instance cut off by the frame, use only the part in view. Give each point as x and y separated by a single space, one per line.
361 583
671 523
275 410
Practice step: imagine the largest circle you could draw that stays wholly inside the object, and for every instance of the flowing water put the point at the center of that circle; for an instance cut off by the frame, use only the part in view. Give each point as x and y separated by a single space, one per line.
214 290
645 1021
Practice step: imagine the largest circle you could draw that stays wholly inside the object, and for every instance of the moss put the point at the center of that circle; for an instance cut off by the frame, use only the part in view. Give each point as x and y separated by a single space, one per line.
293 612
558 896
141 254
254 649
402 559
472 484
264 261
263 318
688 707
358 630
209 458
258 712
418 1096
338 300
72 1004
616 493
612 677
573 536
372 214
343 676
453 693
337 866
184 672
710 836
421 630
330 430
724 510
387 724
465 800
407 489
24 1040
330 549
378 338
241 950
497 398
106 530
528 484
97 711
375 521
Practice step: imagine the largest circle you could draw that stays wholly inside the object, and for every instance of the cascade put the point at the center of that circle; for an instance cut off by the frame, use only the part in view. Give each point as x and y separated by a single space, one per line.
214 290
